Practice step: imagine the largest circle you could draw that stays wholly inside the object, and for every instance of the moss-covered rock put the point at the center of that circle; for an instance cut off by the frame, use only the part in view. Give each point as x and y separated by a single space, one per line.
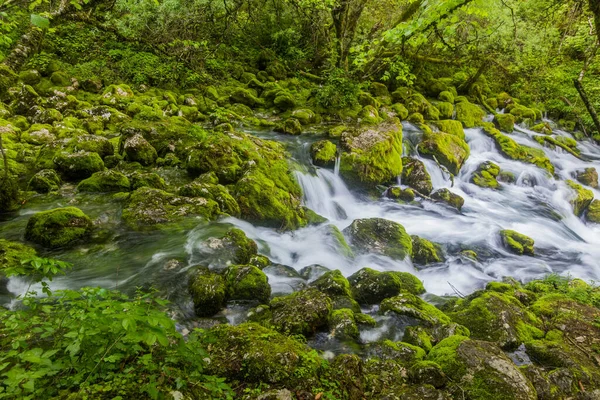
79 165
60 227
151 180
415 175
369 115
149 209
449 150
218 193
497 317
93 144
401 352
262 182
284 101
517 242
505 122
305 116
246 282
105 181
428 373
588 177
451 199
234 247
342 325
371 287
400 110
446 96
137 149
425 252
333 284
543 127
44 181
246 97
302 312
469 114
450 126
13 253
323 153
9 194
252 353
208 292
405 195
515 151
381 236
372 155
593 212
486 174
582 198
291 126
481 370
407 304
522 113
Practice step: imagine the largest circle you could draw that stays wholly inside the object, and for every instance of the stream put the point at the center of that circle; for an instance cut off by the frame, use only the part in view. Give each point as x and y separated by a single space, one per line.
536 205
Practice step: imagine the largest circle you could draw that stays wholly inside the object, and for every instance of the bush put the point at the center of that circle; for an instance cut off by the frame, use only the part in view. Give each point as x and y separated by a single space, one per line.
95 343
338 92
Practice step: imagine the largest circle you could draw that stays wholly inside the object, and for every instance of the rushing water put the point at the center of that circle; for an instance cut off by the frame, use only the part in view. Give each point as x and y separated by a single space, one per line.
536 205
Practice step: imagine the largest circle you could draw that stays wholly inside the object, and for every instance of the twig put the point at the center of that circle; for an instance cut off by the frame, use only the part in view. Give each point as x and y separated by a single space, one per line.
458 293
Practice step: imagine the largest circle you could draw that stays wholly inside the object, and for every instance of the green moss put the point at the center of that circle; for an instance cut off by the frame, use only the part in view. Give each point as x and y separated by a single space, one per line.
446 110
542 127
593 212
9 194
486 174
416 118
323 153
44 181
252 353
425 252
342 325
415 175
444 354
401 352
369 115
305 116
333 284
105 181
339 241
337 131
364 319
373 155
284 101
522 113
450 151
151 180
407 304
150 209
469 114
380 236
60 227
400 110
137 149
446 96
517 242
371 287
446 196
13 253
515 151
208 292
218 193
497 317
583 198
505 122
302 312
291 126
93 144
80 165
245 282
451 127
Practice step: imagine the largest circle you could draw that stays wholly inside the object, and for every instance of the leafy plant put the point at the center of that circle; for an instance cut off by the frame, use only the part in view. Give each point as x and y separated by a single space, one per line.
338 92
95 343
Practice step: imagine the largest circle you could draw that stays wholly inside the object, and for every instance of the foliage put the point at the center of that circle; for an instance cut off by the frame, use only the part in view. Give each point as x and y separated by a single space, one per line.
338 92
95 343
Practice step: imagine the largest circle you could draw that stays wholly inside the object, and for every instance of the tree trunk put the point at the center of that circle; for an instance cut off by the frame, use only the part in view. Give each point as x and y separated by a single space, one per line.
595 9
345 20
588 105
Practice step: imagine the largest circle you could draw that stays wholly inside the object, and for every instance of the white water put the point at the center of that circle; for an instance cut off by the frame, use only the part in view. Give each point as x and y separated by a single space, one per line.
536 205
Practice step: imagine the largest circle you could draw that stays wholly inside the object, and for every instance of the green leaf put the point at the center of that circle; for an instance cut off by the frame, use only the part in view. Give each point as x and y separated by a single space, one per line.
40 22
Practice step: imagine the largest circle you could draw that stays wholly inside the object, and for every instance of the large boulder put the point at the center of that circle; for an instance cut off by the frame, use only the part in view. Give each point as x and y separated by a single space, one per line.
105 181
233 247
381 236
44 181
497 317
372 155
79 165
303 312
208 291
138 149
581 199
323 153
469 114
60 227
415 175
371 287
149 209
449 150
481 370
246 282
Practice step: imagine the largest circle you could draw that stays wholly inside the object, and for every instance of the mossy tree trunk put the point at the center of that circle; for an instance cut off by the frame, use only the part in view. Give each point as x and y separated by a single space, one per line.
345 17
